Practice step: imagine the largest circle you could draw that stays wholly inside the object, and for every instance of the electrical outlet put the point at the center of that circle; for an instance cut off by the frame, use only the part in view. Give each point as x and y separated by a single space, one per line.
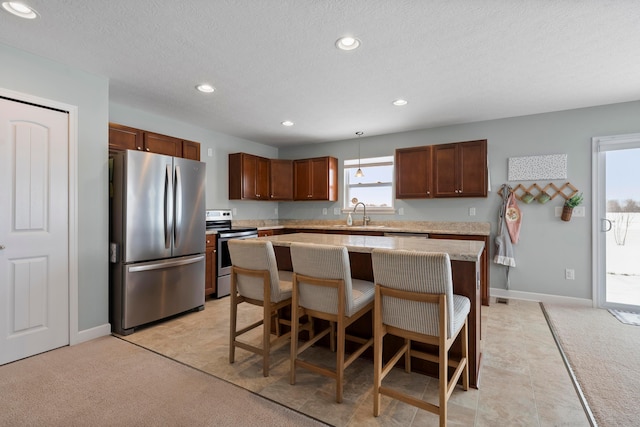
336 211
210 152
569 274
401 211
324 211
472 211
578 211
275 211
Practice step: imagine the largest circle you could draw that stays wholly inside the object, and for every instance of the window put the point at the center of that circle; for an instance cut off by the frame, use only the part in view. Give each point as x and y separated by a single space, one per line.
374 189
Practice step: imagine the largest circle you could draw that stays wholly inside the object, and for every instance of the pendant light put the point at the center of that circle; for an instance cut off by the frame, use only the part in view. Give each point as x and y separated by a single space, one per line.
359 173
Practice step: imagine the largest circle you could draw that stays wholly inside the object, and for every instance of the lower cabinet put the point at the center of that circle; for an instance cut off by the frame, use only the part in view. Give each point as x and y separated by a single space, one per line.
211 265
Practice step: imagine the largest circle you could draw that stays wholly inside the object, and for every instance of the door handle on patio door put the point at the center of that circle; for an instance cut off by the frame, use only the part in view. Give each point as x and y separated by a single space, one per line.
606 221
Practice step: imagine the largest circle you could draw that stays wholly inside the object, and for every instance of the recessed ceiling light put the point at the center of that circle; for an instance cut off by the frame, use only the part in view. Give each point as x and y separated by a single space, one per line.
20 9
347 43
287 123
206 88
399 102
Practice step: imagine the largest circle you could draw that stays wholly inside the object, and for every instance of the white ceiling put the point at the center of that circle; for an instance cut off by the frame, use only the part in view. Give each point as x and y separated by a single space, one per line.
274 60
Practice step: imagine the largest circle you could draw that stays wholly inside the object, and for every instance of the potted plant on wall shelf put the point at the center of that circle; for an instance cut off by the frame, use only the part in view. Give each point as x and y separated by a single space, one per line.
571 203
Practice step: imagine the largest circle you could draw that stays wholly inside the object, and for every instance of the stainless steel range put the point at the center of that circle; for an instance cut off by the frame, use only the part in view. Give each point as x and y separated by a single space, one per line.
220 221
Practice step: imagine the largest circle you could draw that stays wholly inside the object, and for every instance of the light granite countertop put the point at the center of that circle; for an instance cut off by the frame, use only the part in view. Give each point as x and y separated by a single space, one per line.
458 250
433 227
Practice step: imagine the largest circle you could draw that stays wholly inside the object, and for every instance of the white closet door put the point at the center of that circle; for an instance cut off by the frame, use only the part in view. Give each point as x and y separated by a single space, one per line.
34 230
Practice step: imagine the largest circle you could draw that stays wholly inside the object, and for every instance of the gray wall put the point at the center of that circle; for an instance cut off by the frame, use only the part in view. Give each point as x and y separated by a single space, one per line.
29 74
547 245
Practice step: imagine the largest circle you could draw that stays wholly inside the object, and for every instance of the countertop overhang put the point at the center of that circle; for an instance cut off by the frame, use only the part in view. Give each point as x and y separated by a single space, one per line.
458 250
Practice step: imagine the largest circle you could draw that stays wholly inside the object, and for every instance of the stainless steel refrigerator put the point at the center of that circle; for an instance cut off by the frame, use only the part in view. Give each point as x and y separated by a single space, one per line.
157 230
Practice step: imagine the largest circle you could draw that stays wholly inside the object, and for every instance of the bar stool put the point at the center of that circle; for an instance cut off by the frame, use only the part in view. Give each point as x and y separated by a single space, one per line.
323 289
415 301
255 279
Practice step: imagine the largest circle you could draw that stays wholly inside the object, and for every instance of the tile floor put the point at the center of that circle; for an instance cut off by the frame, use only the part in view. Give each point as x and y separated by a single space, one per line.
523 381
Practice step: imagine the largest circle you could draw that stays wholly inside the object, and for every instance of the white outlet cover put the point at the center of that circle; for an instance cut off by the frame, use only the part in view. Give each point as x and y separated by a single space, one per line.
324 211
578 211
401 211
336 211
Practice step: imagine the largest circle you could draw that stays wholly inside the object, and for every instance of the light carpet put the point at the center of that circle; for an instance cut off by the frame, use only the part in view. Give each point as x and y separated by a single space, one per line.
604 355
111 382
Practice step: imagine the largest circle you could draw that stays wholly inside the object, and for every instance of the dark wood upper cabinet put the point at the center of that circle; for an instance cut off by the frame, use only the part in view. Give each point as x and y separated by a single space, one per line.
248 177
445 170
128 138
413 173
125 138
281 179
460 169
315 179
191 150
162 144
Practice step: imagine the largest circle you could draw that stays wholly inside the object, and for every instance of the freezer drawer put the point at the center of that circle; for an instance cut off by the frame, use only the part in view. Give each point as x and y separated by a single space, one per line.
151 291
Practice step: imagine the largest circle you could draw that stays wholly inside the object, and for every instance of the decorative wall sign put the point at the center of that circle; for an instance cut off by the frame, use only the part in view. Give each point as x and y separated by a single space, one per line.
530 168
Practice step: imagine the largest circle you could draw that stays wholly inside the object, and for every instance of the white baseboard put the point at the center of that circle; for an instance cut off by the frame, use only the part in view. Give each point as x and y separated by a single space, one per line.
90 334
544 298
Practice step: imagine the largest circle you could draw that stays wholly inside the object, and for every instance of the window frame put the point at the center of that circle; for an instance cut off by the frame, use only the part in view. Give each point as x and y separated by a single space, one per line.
350 165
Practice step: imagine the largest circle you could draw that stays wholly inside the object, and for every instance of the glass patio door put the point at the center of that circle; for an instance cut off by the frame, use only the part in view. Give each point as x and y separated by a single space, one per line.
617 222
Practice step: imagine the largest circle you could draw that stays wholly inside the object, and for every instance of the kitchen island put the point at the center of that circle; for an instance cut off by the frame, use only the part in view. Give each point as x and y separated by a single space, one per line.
465 268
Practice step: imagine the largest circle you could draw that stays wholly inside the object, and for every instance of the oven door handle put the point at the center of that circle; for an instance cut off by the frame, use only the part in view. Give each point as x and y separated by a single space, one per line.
237 234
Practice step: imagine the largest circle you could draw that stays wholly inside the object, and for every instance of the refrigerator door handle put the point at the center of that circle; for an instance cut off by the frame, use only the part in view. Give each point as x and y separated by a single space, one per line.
165 264
178 208
168 206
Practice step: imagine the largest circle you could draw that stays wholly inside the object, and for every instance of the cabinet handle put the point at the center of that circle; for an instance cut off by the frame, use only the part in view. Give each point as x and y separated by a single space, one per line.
148 149
140 148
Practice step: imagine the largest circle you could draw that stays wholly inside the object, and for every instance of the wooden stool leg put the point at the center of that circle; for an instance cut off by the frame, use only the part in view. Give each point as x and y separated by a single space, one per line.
233 319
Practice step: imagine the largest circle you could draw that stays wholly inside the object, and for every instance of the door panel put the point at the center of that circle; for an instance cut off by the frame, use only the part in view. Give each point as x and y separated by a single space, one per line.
34 263
617 222
190 224
141 182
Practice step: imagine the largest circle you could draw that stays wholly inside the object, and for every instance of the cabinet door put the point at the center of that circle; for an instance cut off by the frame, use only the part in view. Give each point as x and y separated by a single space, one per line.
248 177
316 179
281 179
460 169
413 173
319 178
263 233
262 178
301 180
473 162
191 150
162 144
124 138
211 263
446 170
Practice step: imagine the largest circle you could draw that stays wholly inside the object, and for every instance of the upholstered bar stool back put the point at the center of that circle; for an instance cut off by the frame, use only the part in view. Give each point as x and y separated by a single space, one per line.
255 279
415 301
323 288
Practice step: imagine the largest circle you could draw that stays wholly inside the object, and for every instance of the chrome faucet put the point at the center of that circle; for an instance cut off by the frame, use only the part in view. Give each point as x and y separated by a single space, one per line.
365 218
